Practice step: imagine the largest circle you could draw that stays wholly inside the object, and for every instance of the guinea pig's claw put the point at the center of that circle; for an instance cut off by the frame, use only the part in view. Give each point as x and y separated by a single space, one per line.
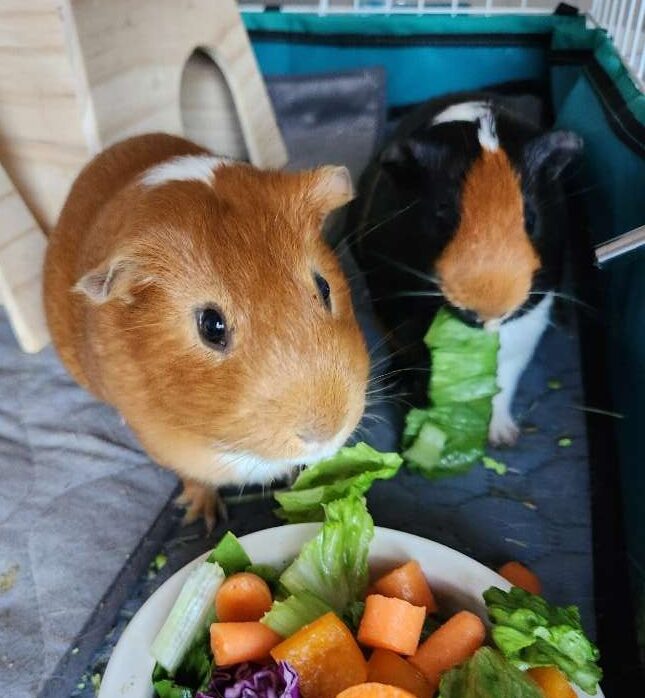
503 431
201 501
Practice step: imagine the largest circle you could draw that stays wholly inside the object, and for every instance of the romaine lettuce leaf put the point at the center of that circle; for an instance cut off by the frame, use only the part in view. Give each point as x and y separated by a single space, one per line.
461 389
288 616
351 471
530 633
230 555
487 675
333 565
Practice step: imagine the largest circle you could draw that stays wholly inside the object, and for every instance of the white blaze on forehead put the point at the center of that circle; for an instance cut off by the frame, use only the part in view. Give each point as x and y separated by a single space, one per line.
186 168
472 112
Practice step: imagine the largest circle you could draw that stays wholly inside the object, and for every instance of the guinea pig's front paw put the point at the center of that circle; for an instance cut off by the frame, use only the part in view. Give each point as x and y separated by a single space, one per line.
502 430
201 500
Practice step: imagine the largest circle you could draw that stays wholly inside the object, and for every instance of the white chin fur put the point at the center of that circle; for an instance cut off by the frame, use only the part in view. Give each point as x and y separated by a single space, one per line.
251 469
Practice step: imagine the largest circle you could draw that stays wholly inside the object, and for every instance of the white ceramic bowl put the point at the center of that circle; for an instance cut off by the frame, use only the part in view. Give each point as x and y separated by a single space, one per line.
457 581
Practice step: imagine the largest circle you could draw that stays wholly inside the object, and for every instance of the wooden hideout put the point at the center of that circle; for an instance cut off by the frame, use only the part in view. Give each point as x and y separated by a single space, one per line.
79 75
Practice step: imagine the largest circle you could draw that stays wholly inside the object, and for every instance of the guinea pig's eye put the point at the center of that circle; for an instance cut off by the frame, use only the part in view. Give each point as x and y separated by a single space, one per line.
323 289
212 328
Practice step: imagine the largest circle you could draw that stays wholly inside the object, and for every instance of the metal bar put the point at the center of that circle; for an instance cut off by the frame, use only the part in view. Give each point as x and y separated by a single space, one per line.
629 22
611 20
638 30
618 246
619 26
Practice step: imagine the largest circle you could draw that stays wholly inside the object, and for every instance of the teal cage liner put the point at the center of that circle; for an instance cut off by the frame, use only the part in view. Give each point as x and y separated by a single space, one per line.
591 93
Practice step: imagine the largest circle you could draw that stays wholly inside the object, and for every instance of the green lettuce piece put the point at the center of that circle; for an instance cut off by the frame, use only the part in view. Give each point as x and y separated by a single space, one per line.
194 672
353 615
288 616
461 389
531 632
487 675
230 554
269 573
333 565
351 471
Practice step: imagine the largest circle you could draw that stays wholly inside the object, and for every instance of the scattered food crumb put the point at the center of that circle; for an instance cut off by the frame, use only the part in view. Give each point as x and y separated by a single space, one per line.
75 650
80 685
530 505
160 561
529 429
8 579
494 465
554 384
521 543
565 442
96 682
514 471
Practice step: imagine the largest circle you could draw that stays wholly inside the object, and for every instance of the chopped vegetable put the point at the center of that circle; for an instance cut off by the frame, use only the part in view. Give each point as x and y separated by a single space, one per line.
250 681
565 442
269 573
353 614
193 672
391 624
374 690
388 668
242 597
487 675
552 682
407 582
451 435
532 633
234 643
188 616
288 616
230 555
333 566
520 576
351 471
456 640
494 465
325 656
554 384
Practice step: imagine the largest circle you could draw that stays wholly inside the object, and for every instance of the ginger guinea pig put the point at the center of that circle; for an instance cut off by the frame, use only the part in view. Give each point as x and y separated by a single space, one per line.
465 207
197 296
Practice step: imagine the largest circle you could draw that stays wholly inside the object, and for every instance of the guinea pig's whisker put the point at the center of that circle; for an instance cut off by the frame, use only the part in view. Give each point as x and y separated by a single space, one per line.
378 418
565 297
359 235
410 270
412 294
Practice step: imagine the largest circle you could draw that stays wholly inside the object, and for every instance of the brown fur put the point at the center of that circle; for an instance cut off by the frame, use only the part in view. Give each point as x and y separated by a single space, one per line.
488 266
248 244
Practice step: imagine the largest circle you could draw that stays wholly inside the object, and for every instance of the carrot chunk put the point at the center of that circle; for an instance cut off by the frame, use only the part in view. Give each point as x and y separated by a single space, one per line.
552 682
387 667
374 690
326 657
407 582
233 643
242 597
391 624
456 640
520 576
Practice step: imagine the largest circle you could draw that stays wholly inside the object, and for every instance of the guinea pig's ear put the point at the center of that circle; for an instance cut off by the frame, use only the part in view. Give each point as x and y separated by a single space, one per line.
115 278
405 160
552 152
330 187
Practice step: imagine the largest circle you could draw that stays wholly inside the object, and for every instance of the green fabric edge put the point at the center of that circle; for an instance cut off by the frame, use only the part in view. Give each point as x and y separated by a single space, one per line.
568 34
600 45
406 25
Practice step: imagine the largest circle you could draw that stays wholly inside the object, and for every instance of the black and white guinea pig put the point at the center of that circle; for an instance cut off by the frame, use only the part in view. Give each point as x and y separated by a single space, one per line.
465 205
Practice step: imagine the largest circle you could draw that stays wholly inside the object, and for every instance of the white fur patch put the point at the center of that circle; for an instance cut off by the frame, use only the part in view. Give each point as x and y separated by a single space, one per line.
472 112
517 342
248 468
184 168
